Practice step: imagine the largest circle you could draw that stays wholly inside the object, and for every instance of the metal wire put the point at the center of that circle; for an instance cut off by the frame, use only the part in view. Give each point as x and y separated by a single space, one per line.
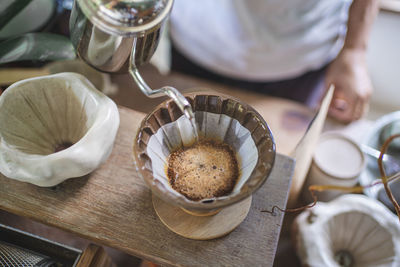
11 256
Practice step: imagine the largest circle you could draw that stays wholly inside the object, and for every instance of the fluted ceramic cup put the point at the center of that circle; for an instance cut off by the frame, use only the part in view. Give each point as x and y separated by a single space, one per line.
218 117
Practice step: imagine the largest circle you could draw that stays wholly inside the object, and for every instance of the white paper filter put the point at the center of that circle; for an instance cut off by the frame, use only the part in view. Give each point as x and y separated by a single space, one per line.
211 126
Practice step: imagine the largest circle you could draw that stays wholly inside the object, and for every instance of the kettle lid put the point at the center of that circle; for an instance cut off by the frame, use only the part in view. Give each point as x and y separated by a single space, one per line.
126 17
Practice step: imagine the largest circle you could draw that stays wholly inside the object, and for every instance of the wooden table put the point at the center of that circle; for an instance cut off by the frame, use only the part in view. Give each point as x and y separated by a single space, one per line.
112 206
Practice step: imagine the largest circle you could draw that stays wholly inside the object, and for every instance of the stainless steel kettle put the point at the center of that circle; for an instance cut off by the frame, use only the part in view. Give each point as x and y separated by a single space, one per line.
118 36
110 35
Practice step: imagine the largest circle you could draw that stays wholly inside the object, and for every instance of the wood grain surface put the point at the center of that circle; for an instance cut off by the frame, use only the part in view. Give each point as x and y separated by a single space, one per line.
112 206
95 256
201 227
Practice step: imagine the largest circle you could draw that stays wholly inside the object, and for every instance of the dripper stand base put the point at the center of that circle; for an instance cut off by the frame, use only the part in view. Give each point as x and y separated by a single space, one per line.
201 227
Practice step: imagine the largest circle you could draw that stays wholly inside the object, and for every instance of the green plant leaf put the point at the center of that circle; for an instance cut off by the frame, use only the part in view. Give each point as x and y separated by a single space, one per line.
36 46
11 11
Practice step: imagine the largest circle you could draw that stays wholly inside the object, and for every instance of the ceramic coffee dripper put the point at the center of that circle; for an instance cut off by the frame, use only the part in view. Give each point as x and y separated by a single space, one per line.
55 127
218 117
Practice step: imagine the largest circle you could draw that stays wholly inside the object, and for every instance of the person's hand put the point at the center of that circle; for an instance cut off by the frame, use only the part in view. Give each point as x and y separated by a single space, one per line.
353 87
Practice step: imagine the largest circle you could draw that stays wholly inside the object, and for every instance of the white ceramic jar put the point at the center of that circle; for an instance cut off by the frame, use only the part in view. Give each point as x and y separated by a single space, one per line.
337 160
